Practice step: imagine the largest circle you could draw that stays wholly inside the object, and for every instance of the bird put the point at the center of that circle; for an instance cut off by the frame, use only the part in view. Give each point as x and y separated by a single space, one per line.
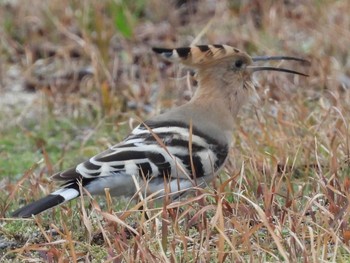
180 149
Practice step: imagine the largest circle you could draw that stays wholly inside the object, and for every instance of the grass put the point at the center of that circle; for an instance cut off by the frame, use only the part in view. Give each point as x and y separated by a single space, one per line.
74 76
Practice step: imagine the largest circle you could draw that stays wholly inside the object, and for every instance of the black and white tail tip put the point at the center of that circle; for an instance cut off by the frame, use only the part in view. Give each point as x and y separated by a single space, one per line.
56 198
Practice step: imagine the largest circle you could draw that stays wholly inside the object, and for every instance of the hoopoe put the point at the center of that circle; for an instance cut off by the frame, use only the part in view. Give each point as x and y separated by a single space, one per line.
182 148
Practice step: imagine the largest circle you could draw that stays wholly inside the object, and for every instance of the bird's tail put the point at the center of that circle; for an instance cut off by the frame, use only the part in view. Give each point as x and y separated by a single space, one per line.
69 192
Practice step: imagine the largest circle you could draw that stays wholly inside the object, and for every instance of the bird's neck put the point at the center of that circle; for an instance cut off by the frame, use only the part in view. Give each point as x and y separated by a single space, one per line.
222 97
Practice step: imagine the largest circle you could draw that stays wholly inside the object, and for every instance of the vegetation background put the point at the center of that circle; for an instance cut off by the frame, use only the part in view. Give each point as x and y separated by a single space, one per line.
76 76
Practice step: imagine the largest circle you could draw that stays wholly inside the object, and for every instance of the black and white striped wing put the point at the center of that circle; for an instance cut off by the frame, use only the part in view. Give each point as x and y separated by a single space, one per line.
153 151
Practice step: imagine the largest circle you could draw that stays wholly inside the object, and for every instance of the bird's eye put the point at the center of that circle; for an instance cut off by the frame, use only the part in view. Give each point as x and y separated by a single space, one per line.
239 63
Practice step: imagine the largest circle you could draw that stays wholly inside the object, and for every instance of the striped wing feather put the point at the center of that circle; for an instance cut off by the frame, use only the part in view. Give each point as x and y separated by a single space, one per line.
154 150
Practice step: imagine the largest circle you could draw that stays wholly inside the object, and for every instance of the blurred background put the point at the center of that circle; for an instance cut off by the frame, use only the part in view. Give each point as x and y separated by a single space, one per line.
76 76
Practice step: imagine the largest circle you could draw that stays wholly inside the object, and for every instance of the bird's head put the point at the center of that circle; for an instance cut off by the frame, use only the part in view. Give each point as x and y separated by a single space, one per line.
223 69
228 60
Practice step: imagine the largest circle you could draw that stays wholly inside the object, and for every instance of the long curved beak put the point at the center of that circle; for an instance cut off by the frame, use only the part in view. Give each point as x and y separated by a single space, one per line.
269 58
266 58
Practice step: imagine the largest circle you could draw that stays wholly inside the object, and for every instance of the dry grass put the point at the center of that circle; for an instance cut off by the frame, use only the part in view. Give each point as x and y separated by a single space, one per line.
74 74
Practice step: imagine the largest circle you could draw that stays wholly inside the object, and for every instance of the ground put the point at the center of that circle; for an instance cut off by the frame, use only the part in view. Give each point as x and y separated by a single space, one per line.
76 76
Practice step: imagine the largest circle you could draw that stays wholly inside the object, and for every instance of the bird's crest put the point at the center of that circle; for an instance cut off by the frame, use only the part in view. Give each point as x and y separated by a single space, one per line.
207 55
196 56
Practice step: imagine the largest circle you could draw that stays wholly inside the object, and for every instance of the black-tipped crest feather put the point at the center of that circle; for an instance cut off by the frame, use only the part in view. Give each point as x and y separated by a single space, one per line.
183 52
206 55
